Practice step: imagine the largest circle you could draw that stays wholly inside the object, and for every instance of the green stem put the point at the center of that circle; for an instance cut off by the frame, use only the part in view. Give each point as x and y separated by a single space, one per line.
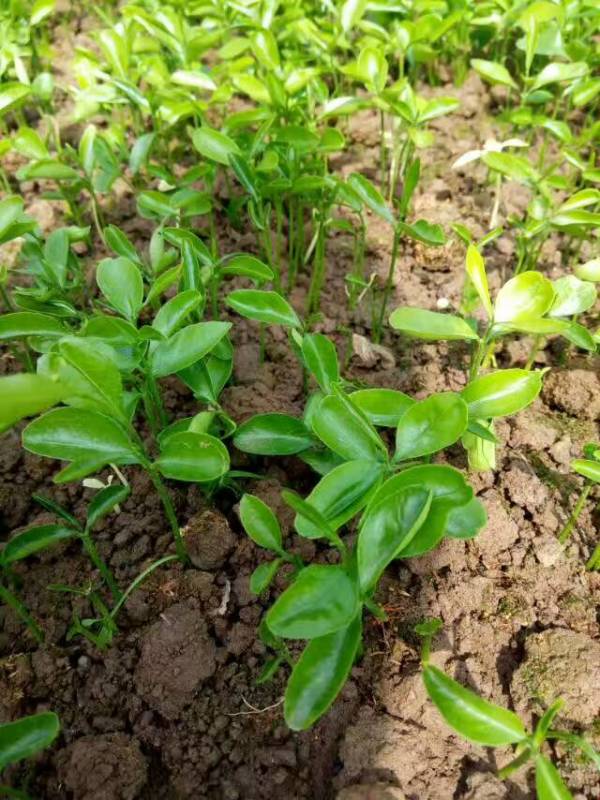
388 286
98 562
514 765
593 562
19 608
382 151
534 351
318 272
163 493
572 521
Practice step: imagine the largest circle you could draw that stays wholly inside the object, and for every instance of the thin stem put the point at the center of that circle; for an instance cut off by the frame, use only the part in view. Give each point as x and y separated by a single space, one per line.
593 562
572 521
537 342
514 765
163 493
382 151
98 562
388 286
318 273
19 608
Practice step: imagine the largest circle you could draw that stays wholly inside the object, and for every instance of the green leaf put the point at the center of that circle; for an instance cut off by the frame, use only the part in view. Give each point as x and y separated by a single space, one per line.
465 522
342 427
25 394
175 311
121 283
214 145
387 529
438 107
370 196
573 296
47 169
351 13
471 716
320 357
12 96
140 152
29 323
321 600
430 325
431 425
269 307
576 218
588 468
319 675
340 495
24 544
196 457
516 168
373 68
260 523
548 783
273 435
590 271
558 73
186 347
475 266
105 501
264 46
26 736
526 296
263 575
30 144
382 407
423 231
248 267
119 243
493 72
79 435
501 393
151 205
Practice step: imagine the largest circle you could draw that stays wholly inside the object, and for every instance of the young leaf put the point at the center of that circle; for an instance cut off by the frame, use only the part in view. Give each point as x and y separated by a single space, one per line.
475 267
341 426
370 196
33 540
493 72
260 523
548 783
104 502
196 457
269 307
273 435
590 271
430 325
263 575
186 347
171 316
470 715
588 468
321 600
25 394
24 737
320 357
214 145
387 529
573 296
382 407
120 281
430 425
526 296
248 267
29 323
319 675
501 393
88 375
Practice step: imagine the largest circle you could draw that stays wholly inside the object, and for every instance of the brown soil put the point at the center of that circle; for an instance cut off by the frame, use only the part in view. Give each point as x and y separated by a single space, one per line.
171 709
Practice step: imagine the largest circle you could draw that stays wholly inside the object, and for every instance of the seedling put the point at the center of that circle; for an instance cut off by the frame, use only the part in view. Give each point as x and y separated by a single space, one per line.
24 738
589 469
489 725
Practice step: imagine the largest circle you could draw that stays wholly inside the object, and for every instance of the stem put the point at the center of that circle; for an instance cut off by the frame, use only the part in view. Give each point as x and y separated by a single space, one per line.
388 286
163 493
318 273
382 151
534 351
496 207
91 550
572 521
514 765
19 608
593 563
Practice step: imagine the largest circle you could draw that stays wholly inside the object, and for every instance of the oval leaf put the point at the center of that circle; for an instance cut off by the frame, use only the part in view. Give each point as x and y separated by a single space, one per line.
430 425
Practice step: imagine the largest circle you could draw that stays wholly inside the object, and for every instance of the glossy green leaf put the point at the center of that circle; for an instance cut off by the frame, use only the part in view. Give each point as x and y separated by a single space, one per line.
493 72
263 306
548 783
248 267
25 394
387 529
19 324
24 544
340 495
104 502
382 407
260 523
589 271
430 425
319 675
430 325
588 468
121 283
372 67
370 196
465 522
263 575
171 316
185 347
558 72
273 435
265 49
341 426
470 715
214 145
351 12
26 736
321 600
47 169
428 233
12 96
196 457
528 295
475 266
320 357
151 205
501 393
573 296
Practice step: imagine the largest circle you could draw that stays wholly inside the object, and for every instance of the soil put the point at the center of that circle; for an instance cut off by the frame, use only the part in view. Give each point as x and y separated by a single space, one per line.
171 709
